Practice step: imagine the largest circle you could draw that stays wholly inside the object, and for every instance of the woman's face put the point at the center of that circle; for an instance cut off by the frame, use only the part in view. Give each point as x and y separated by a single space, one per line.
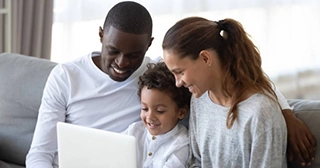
196 75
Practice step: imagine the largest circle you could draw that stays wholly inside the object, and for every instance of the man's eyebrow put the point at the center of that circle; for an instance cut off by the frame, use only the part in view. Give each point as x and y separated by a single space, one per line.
137 52
111 47
114 48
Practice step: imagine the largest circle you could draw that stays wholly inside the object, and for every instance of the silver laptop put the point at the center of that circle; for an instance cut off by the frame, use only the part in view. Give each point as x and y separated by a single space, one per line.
83 147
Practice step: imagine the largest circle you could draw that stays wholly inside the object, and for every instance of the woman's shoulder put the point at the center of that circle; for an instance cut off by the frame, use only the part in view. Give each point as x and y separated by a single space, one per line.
260 107
260 100
265 112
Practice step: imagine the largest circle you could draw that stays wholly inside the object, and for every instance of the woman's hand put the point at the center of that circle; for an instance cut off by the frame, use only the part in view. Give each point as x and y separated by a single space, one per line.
301 143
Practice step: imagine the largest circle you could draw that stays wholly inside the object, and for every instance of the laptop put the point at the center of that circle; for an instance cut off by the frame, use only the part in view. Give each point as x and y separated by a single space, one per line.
84 147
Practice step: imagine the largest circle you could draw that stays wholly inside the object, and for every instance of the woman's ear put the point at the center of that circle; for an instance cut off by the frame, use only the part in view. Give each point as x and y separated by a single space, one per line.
206 56
100 34
183 112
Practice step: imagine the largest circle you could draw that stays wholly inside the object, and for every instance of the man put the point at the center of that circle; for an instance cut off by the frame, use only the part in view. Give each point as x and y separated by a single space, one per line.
100 89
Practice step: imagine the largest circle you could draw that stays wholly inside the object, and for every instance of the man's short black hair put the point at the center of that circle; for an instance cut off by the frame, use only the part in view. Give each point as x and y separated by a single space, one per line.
129 17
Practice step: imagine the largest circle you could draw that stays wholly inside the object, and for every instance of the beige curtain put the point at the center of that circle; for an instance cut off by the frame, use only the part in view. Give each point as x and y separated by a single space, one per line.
31 27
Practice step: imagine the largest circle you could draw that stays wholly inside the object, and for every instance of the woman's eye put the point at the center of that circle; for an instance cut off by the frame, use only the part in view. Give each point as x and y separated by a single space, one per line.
178 73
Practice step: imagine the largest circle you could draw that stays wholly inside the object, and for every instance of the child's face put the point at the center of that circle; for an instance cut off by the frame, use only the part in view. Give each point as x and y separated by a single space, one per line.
159 112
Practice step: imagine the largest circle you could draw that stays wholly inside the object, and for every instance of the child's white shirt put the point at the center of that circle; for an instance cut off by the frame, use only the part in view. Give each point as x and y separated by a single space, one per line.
169 150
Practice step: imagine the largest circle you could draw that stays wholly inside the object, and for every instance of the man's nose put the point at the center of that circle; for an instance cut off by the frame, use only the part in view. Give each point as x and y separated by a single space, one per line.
122 61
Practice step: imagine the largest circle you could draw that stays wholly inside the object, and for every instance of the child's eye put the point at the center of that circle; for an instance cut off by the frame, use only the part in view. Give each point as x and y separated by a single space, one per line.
160 111
144 109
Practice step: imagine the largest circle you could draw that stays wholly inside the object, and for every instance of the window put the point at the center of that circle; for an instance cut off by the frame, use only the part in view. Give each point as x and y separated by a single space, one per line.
286 32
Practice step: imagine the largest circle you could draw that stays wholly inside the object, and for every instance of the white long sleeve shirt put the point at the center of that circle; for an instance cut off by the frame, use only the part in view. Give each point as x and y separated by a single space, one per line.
169 150
80 93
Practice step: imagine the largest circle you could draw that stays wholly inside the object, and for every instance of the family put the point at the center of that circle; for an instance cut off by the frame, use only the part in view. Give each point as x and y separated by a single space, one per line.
210 74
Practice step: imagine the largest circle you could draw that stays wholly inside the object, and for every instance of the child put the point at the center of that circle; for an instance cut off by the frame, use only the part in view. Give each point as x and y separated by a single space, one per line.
161 140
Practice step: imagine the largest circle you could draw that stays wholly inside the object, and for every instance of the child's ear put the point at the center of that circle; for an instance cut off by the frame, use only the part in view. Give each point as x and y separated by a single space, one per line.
183 112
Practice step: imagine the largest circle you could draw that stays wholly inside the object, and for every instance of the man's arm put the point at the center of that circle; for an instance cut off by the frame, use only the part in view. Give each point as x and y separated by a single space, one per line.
301 143
44 144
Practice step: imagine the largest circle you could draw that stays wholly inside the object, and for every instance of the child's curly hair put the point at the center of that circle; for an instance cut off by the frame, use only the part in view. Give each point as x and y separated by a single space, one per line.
158 76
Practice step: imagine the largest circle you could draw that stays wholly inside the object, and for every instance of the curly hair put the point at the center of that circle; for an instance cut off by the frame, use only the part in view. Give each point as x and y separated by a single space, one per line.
158 76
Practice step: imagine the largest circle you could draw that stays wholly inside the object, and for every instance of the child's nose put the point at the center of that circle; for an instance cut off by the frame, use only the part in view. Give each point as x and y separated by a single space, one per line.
151 116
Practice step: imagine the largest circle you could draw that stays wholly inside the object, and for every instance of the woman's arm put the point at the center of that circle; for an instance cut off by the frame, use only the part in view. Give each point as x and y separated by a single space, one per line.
269 149
269 136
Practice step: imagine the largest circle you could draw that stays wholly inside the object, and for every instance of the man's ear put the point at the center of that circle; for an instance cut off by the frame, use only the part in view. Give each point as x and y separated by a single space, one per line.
101 34
151 39
183 112
206 56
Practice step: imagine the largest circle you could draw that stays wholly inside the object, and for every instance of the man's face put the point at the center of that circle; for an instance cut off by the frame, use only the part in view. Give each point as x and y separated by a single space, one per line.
122 53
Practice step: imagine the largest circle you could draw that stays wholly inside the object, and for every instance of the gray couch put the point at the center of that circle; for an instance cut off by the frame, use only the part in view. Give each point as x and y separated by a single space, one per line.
22 80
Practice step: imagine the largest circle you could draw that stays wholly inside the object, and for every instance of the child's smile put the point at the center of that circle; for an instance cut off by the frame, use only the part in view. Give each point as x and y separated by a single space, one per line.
159 112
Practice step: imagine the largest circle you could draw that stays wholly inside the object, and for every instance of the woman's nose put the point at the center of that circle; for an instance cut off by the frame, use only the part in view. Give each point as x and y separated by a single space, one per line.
179 82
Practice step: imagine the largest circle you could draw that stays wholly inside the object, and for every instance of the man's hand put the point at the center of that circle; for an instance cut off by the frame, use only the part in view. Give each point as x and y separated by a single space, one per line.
301 143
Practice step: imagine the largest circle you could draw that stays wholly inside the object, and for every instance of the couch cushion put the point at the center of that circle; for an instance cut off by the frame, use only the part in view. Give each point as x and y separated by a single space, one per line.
9 165
308 111
22 79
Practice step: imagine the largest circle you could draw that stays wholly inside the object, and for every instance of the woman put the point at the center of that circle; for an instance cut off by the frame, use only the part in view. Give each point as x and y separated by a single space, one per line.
235 118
